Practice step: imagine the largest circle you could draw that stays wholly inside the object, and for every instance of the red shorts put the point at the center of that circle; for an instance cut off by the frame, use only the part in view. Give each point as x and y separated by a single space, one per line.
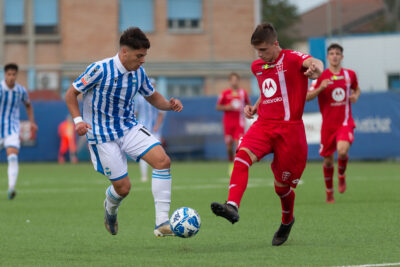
287 140
330 137
233 132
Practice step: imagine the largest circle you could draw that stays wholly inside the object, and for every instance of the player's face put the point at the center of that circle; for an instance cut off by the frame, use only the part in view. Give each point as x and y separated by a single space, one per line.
10 77
234 81
132 59
335 57
267 51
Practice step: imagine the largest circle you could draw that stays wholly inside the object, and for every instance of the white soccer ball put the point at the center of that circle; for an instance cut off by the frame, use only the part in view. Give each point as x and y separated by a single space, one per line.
185 222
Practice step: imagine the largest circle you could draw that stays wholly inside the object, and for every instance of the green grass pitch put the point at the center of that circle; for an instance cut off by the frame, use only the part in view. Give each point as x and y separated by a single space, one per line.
57 219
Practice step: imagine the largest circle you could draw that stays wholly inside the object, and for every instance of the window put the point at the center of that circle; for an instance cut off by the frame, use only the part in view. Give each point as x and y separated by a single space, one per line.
46 16
192 86
184 15
14 16
394 81
137 13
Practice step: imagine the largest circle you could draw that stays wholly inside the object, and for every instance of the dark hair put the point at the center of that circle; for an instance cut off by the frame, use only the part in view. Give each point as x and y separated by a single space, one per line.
134 38
335 46
10 66
234 74
264 33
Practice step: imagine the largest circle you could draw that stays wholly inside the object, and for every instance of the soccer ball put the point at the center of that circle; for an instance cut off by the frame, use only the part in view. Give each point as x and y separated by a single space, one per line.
185 222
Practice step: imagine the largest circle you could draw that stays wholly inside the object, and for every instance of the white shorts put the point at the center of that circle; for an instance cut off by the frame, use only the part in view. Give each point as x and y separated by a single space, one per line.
11 141
110 158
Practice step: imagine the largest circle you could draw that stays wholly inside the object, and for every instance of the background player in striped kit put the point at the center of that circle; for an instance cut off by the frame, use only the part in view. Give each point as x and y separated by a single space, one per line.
108 88
336 89
12 95
151 118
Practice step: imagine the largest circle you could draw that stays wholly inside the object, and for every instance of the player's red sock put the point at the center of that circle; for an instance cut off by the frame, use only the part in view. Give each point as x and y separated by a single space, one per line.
328 175
240 176
342 164
287 196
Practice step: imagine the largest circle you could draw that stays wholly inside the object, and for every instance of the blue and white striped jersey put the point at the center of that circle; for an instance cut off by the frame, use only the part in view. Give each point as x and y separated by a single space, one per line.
108 91
147 114
10 101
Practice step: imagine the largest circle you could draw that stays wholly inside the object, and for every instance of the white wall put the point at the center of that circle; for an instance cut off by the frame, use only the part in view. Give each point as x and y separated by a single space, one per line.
372 57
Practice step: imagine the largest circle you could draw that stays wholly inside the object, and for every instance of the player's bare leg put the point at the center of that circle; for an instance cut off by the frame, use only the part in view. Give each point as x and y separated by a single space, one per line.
342 149
115 193
328 177
229 210
161 188
12 157
287 196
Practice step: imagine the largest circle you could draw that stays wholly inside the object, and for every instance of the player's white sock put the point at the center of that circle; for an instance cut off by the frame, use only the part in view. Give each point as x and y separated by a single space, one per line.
161 188
113 200
143 169
12 171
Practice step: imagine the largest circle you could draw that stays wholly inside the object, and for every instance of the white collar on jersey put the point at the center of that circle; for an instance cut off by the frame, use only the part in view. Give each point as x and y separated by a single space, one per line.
4 85
120 67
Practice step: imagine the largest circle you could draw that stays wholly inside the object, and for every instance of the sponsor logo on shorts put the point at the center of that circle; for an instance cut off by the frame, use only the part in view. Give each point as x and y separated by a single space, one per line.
269 87
107 171
286 175
338 94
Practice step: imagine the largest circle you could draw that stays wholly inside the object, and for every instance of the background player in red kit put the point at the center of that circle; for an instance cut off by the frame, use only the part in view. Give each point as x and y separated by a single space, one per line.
335 88
232 101
282 76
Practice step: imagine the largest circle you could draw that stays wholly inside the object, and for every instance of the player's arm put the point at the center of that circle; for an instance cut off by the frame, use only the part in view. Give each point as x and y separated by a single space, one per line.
159 121
250 110
31 117
220 107
71 99
314 67
157 100
355 94
314 93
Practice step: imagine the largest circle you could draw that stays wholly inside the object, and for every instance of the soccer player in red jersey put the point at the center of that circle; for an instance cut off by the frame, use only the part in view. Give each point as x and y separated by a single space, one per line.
336 89
232 102
282 76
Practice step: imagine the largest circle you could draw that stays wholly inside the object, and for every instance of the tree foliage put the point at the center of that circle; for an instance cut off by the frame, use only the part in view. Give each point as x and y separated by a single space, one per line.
283 16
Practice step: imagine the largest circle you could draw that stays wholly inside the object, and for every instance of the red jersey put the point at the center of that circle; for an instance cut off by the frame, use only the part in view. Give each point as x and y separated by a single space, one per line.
238 99
334 102
283 86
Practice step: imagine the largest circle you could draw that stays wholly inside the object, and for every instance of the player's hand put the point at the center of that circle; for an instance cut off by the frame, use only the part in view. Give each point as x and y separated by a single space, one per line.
312 72
82 127
175 105
353 98
249 111
324 84
34 127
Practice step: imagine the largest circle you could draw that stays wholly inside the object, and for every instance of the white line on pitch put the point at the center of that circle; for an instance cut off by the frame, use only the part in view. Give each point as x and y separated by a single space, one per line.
372 265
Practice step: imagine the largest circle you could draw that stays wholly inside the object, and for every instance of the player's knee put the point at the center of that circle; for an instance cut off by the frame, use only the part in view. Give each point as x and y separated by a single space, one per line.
342 153
123 189
163 163
328 162
12 158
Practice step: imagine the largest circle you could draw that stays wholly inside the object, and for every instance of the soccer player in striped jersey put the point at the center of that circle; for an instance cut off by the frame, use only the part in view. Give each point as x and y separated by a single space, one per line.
151 118
282 76
108 87
12 95
336 89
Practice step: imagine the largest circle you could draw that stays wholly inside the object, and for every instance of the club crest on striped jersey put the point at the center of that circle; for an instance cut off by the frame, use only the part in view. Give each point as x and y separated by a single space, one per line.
269 87
338 94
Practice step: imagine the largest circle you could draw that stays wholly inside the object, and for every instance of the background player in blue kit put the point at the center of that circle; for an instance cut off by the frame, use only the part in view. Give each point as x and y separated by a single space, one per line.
108 87
12 95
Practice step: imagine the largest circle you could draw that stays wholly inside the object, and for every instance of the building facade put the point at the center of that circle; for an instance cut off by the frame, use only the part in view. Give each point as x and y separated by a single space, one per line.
195 44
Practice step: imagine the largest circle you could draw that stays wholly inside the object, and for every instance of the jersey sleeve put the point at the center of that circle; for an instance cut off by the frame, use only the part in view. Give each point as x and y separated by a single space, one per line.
299 57
88 79
146 88
221 99
354 81
313 85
